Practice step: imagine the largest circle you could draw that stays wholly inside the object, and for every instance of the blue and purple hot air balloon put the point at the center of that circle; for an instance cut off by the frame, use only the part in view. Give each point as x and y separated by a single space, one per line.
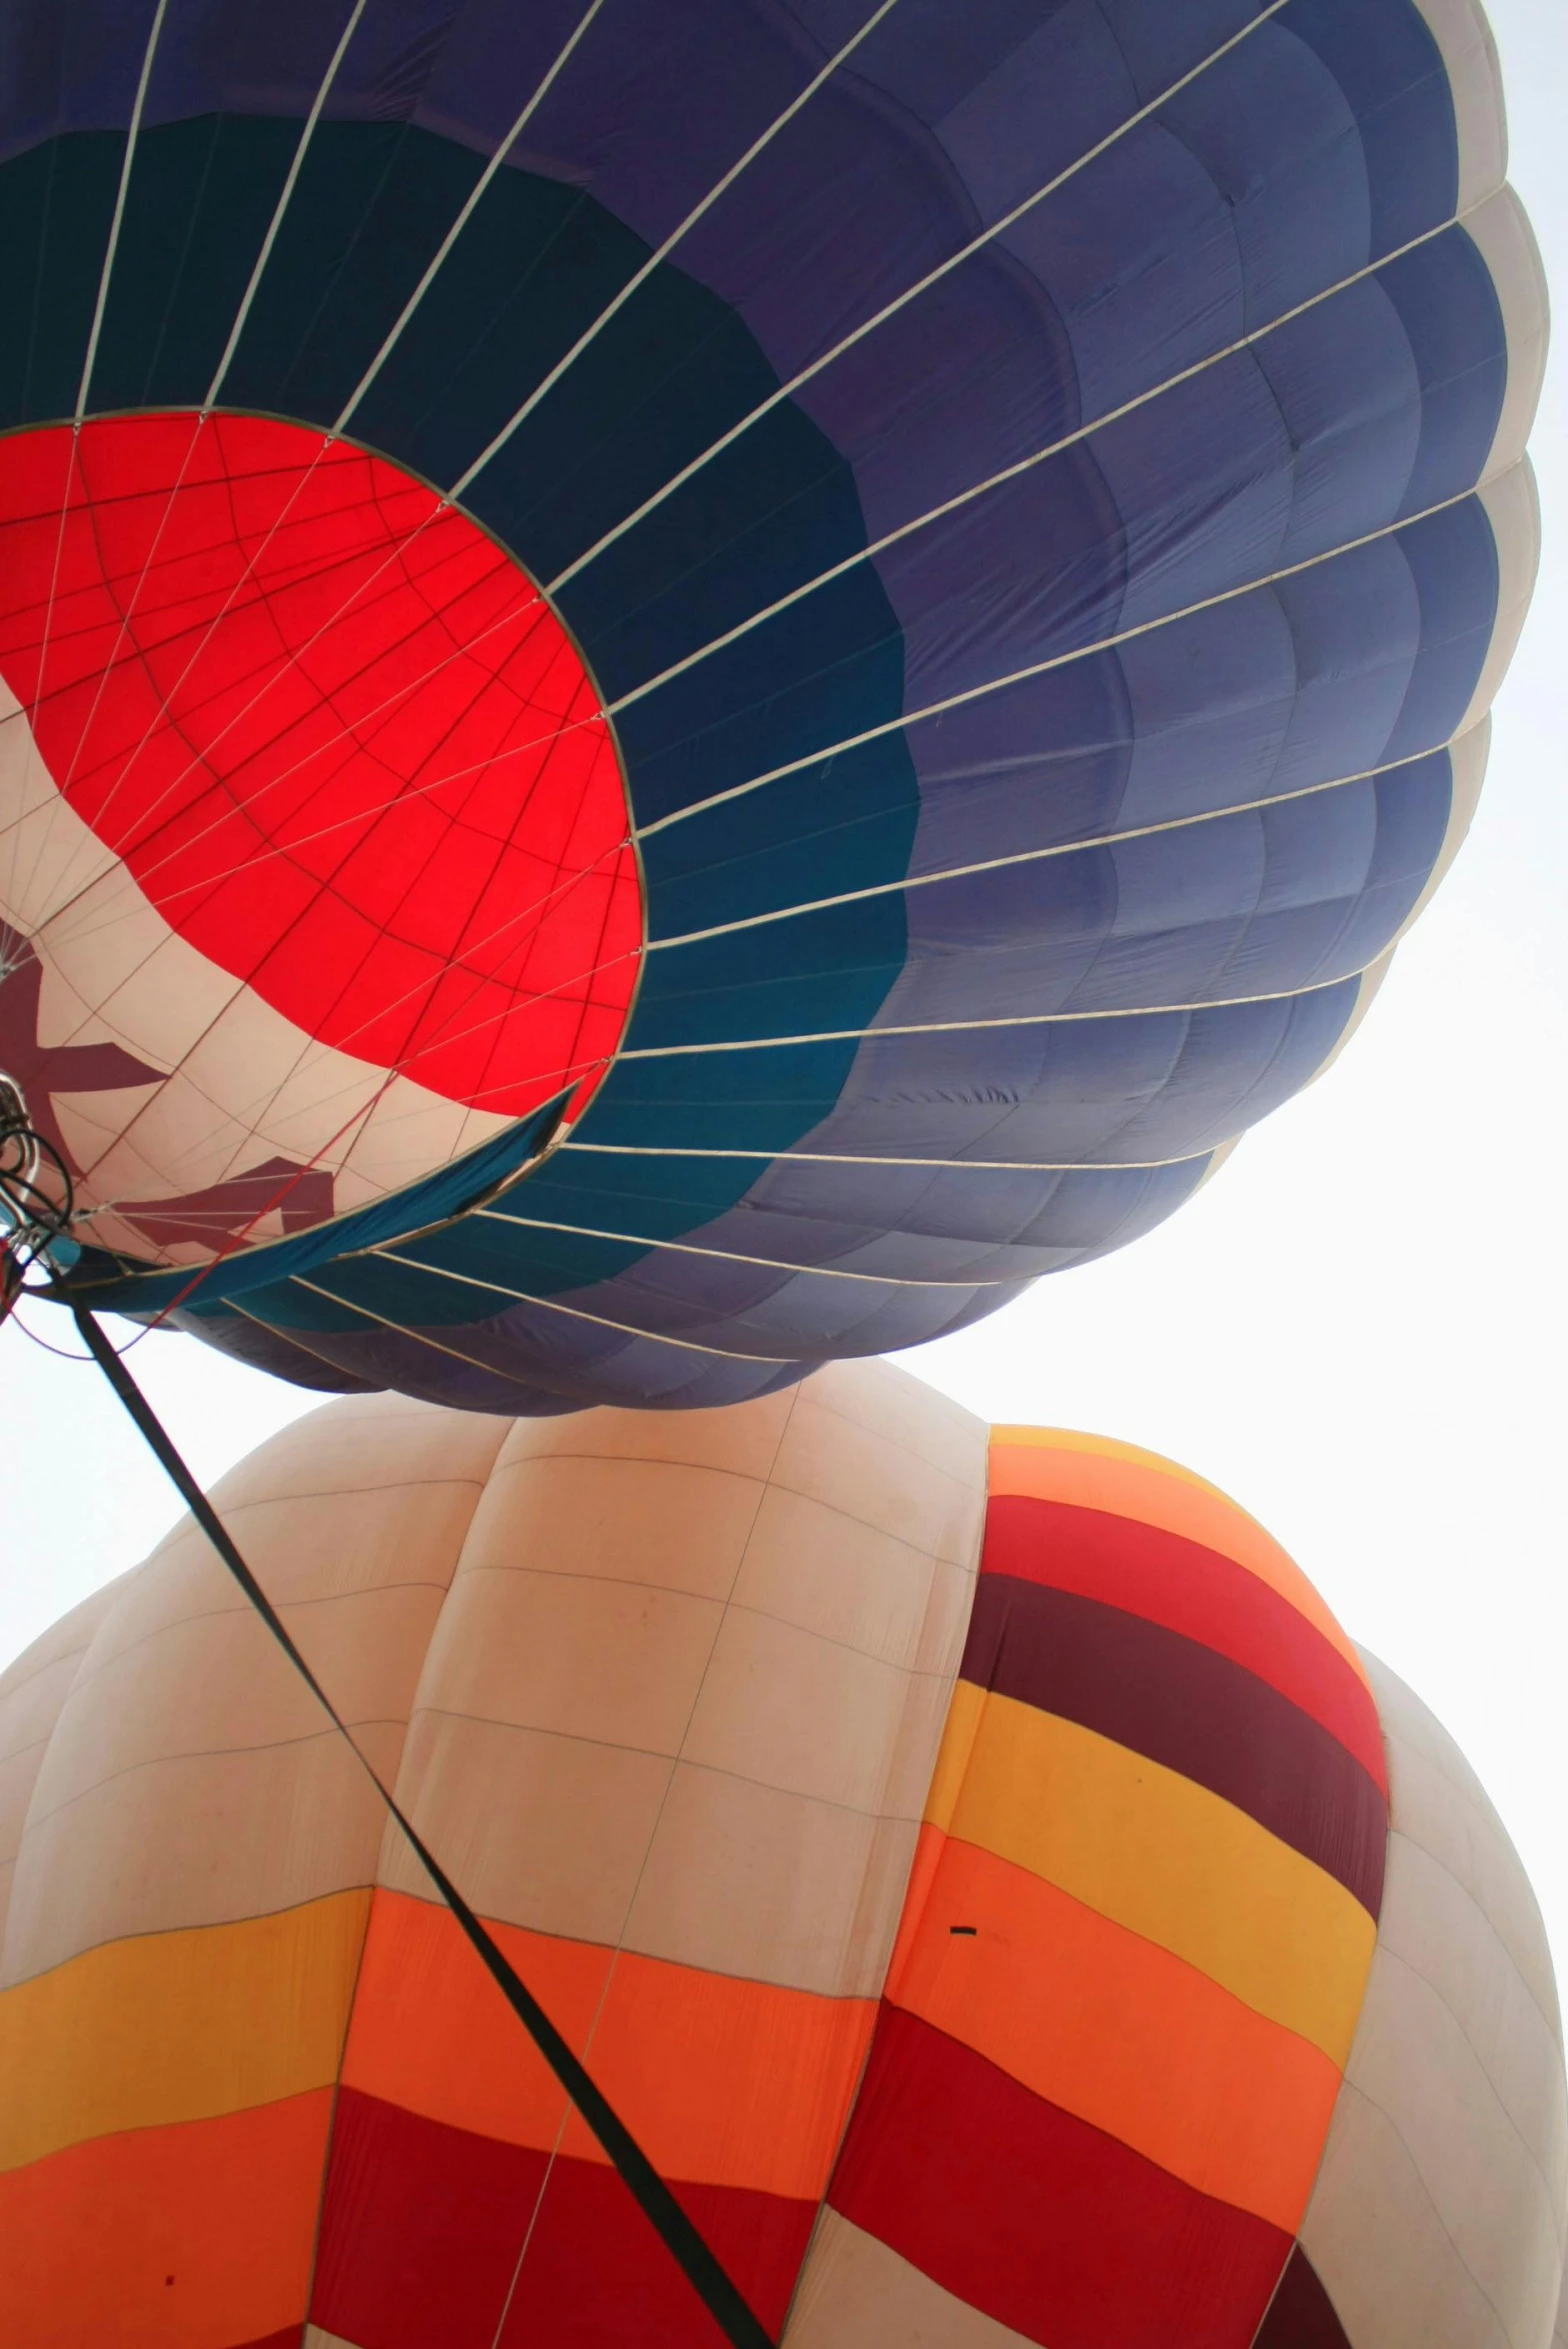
688 687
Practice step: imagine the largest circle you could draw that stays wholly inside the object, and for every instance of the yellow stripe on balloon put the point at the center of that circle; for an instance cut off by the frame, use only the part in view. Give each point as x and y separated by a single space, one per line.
1160 1855
1072 1439
180 2026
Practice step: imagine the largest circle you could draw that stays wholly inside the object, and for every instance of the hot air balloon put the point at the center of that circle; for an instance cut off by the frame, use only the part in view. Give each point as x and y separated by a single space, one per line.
688 687
974 1863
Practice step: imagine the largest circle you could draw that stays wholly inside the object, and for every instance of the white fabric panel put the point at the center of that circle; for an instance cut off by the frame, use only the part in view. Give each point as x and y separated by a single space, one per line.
1468 757
1469 53
1514 510
1438 2217
1442 1805
687 1691
32 1692
854 2293
1434 1929
1500 229
1225 1148
1394 2274
243 1083
190 1777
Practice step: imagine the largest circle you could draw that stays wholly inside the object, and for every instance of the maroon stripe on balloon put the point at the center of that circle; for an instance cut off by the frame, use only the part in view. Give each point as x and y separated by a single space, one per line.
423 2229
1301 2314
1188 1708
1190 1589
290 2338
1037 2218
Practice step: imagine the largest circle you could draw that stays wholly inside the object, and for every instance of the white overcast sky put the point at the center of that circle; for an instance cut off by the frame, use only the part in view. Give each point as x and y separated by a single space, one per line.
1357 1328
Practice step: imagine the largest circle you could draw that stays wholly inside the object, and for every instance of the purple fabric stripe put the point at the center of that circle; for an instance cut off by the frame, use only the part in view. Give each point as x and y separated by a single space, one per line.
1189 1709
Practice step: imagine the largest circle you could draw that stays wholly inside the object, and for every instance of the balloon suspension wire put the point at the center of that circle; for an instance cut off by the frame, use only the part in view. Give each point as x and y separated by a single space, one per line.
701 2266
677 235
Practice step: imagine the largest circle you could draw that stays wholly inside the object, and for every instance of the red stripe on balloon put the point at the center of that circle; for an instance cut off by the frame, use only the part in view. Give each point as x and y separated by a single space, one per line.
1192 1590
423 2240
1038 2219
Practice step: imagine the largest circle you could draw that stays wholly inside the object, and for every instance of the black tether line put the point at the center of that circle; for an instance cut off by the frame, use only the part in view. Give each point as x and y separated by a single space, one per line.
698 2263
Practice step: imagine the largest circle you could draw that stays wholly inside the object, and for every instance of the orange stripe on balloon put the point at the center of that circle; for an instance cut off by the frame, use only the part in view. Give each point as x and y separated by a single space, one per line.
1159 1855
1073 1439
1050 1470
1114 2029
725 2082
178 2238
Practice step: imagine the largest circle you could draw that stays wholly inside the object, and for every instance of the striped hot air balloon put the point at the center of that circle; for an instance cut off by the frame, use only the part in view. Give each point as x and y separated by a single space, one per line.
975 1865
688 685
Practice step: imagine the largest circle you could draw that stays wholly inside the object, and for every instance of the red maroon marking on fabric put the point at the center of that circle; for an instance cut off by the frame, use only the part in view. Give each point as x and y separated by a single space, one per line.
301 1196
42 1070
336 734
1301 2314
1037 2218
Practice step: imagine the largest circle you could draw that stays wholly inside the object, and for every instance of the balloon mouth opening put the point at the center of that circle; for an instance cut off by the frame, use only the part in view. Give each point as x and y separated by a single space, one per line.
299 768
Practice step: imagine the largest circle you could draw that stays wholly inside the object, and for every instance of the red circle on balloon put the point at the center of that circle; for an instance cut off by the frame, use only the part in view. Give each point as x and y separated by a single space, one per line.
337 736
